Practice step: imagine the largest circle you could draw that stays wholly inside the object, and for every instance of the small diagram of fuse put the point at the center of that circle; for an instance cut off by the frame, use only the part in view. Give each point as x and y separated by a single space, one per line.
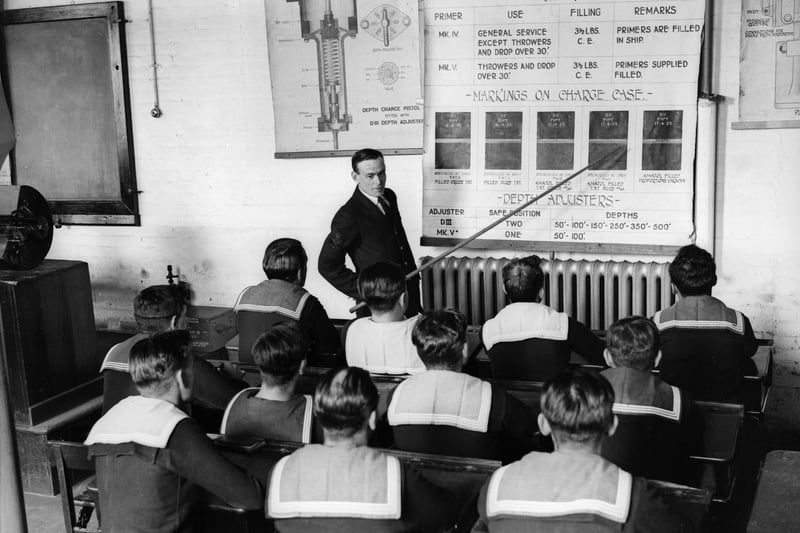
785 15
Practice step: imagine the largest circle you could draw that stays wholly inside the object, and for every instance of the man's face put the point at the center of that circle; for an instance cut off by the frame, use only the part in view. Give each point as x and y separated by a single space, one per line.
371 177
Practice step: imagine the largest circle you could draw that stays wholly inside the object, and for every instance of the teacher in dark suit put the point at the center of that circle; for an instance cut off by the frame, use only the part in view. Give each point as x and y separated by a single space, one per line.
368 228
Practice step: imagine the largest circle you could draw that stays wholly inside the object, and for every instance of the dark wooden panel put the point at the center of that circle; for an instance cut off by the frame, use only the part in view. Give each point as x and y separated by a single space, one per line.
50 339
67 87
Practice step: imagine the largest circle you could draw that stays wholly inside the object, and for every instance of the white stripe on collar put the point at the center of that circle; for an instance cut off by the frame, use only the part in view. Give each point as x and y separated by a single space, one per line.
223 427
738 327
289 313
616 511
670 414
389 510
428 417
145 421
307 419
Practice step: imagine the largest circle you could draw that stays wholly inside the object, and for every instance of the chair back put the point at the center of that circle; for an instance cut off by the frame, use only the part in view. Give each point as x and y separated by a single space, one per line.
69 457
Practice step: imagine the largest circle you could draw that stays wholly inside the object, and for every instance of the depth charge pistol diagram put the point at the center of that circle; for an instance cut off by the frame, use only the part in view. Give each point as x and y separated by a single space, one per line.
320 22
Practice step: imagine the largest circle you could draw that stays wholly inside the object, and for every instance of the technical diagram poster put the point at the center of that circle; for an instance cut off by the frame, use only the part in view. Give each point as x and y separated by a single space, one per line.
769 69
523 93
345 75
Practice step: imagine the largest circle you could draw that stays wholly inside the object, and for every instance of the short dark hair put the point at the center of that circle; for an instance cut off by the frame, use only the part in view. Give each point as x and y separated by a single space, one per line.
344 399
693 271
283 259
439 337
523 278
633 342
154 307
578 405
381 285
365 154
279 352
154 361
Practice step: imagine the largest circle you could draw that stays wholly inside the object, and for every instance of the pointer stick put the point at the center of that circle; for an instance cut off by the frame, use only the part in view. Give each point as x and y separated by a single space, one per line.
499 221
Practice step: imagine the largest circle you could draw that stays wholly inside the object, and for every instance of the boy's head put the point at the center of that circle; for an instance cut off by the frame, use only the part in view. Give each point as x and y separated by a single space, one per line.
441 339
345 402
382 286
523 279
280 353
161 362
577 408
633 343
285 259
160 308
693 271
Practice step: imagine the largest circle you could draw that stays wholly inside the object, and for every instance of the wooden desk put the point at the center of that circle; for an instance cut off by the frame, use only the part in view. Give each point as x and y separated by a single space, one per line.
777 495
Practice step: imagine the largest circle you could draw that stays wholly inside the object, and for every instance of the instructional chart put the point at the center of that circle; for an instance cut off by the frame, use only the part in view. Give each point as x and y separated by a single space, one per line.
345 74
520 96
769 66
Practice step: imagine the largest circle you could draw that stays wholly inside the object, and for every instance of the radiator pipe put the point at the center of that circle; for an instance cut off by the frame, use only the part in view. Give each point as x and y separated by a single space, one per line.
502 219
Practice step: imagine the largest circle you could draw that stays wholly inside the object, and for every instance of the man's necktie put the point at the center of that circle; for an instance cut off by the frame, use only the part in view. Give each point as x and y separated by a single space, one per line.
383 205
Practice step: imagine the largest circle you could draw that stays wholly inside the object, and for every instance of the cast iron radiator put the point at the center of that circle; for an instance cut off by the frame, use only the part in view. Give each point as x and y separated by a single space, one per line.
595 293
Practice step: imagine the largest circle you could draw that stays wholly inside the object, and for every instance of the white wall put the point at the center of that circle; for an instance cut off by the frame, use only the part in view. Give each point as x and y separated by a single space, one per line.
758 189
213 195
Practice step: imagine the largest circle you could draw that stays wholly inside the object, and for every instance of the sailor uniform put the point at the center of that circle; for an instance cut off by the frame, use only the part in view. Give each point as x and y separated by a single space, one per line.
382 347
451 413
706 348
210 390
573 492
248 415
658 428
152 460
531 341
117 382
274 300
353 488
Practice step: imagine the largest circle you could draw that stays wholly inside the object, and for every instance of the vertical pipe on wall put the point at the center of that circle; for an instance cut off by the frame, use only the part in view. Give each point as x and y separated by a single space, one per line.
706 156
12 506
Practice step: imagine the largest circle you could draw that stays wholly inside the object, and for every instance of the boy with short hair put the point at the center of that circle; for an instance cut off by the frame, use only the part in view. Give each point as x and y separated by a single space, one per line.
529 340
160 308
382 343
343 485
152 459
658 429
445 411
707 347
273 410
282 296
574 488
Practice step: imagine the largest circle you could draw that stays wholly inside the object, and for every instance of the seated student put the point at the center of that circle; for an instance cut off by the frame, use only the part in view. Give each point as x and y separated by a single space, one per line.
706 346
282 296
657 428
528 340
382 343
156 309
274 411
344 485
445 411
152 459
573 489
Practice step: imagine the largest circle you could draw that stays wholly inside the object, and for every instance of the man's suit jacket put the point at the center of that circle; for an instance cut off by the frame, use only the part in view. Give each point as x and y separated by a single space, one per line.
360 230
